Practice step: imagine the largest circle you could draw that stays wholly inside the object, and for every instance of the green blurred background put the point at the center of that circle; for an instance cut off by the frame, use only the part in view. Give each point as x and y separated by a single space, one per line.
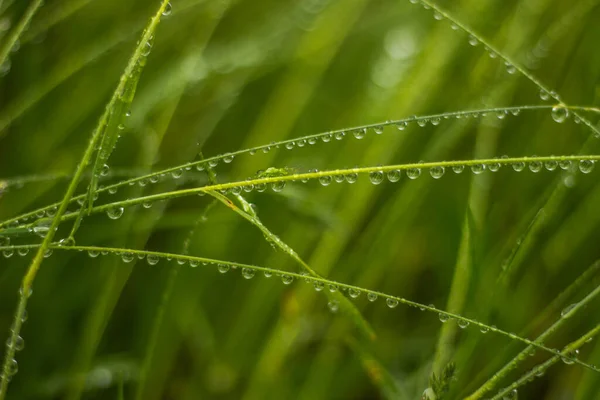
228 75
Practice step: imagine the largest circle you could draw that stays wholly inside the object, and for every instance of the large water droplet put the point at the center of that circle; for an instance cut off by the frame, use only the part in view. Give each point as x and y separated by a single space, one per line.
325 180
394 175
371 297
443 317
12 368
437 172
586 166
127 257
152 259
560 114
287 279
278 186
248 273
115 212
376 177
354 293
360 133
551 165
518 166
93 253
478 168
462 324
351 177
473 41
391 303
535 166
227 158
458 169
413 173
223 268
339 135
168 9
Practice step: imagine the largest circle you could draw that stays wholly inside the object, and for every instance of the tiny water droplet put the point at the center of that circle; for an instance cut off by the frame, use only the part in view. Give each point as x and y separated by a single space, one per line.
248 273
551 165
278 186
227 158
565 164
378 129
443 317
360 133
23 252
147 49
586 166
287 279
511 69
462 324
223 268
535 166
484 329
93 253
371 297
402 125
544 95
333 306
560 114
394 175
339 135
564 313
518 166
391 303
48 253
301 143
104 170
351 177
115 212
458 169
473 40
194 263
319 286
168 9
213 163
437 172
325 180
376 177
422 122
570 356
152 259
354 293
413 173
289 145
326 138
333 288
177 173
478 168
12 368
67 242
127 257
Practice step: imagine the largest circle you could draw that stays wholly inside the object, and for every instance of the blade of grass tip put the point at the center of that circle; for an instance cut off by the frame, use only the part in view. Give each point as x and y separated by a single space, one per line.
545 92
16 33
113 119
524 354
316 280
540 369
345 305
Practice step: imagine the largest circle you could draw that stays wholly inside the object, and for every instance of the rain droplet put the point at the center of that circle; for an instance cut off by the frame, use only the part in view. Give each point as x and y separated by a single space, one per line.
494 167
287 279
462 324
93 253
535 166
571 356
422 122
339 135
437 172
290 145
413 173
194 263
227 158
326 138
301 143
333 306
371 297
402 125
224 268
23 252
551 165
278 186
353 293
248 273
511 69
518 166
565 164
325 180
394 175
458 169
319 286
360 133
147 49
177 173
391 303
443 317
378 129
168 9
8 253
484 329
560 114
478 168
104 170
127 257
152 259
12 367
115 213
544 95
473 41
351 177
376 177
586 166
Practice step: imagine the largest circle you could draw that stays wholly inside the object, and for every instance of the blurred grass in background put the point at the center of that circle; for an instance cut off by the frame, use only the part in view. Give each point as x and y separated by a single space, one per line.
228 75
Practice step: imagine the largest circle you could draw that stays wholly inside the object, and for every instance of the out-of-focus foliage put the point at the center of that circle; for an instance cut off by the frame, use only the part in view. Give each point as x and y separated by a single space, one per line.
504 248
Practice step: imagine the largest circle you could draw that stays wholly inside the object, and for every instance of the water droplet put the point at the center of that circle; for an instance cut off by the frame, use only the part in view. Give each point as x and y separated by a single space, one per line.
127 257
177 173
443 317
586 166
535 166
462 324
194 263
564 313
394 175
354 293
478 168
518 166
378 129
67 242
93 253
570 356
8 253
23 252
147 49
104 170
500 114
544 95
560 114
112 190
371 297
565 164
223 268
391 303
152 259
360 133
278 186
319 286
213 163
351 177
437 172
227 158
325 180
333 306
301 143
168 9
48 253
484 329
551 165
413 173
115 213
248 273
287 279
326 138
511 69
18 345
422 122
402 125
437 16
435 121
458 169
290 145
376 177
12 368
339 135
473 40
